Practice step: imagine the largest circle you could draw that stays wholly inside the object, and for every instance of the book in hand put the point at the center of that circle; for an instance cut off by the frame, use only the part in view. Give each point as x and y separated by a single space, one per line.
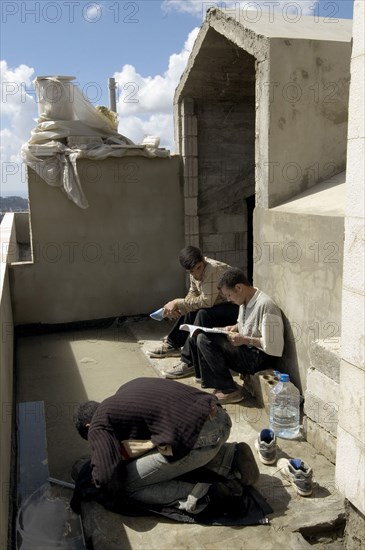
157 315
192 328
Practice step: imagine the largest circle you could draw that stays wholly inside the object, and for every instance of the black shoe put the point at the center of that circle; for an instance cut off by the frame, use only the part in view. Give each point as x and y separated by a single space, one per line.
77 467
221 498
244 465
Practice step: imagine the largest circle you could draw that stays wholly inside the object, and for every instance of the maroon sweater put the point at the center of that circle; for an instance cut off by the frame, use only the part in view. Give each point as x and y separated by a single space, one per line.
163 411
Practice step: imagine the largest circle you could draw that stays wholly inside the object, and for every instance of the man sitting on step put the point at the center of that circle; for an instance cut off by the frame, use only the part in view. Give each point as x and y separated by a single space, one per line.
204 305
254 342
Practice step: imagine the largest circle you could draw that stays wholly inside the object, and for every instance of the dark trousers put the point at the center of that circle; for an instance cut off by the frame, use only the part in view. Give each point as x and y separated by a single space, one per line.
217 356
220 315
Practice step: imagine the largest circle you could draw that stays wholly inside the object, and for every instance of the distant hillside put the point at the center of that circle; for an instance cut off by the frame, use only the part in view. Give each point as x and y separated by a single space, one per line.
12 204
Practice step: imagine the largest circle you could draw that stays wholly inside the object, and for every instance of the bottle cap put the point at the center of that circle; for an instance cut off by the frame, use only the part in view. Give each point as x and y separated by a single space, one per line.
284 378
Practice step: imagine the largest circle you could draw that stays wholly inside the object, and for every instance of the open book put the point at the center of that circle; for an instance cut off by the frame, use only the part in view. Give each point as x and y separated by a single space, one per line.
192 328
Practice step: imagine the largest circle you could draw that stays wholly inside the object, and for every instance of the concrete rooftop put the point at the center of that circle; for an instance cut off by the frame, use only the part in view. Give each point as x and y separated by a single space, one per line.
64 368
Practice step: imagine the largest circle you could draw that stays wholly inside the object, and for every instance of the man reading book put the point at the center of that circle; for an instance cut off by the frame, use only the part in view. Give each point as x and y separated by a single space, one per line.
204 305
250 345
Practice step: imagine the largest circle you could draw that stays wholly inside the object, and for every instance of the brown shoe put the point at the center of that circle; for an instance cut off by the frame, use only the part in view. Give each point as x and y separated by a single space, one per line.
226 398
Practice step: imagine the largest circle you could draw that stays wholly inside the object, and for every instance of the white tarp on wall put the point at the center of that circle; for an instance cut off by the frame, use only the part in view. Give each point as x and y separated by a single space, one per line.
70 128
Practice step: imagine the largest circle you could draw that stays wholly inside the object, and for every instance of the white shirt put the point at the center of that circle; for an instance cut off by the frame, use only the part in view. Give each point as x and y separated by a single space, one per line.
262 319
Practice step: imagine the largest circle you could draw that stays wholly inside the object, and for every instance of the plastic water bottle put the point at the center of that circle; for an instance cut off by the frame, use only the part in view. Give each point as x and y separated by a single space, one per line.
285 408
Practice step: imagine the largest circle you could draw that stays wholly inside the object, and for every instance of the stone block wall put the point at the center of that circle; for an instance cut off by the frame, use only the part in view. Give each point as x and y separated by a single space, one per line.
321 398
350 458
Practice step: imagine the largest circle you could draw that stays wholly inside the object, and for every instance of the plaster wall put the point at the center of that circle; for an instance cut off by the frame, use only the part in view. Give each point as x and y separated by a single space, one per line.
117 257
298 261
308 112
6 374
350 465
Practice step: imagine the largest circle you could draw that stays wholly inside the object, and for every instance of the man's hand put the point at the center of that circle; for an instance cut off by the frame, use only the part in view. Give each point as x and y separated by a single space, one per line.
231 328
171 310
236 339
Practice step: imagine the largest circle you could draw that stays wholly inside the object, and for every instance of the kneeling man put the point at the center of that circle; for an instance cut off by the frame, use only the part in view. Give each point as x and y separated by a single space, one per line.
151 432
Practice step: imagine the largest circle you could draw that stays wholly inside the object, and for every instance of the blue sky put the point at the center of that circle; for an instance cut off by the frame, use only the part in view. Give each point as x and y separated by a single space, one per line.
143 44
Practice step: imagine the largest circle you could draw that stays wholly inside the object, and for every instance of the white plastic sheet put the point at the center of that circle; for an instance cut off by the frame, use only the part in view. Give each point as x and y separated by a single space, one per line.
69 128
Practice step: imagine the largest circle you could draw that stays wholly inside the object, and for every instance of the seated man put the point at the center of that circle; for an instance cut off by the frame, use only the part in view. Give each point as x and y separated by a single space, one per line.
151 432
249 346
204 305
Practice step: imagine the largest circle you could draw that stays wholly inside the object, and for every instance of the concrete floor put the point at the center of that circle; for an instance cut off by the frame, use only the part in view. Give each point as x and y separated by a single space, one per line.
65 368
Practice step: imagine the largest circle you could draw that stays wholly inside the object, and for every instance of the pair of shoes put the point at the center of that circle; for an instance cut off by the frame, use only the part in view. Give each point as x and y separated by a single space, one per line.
244 465
181 370
164 350
298 473
232 397
266 446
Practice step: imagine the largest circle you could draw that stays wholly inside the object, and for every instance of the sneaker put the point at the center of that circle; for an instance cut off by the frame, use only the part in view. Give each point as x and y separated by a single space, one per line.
265 445
298 473
226 398
181 370
164 350
244 465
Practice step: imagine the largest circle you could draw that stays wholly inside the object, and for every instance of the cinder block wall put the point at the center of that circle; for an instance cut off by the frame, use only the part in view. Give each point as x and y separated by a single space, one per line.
215 131
225 132
117 257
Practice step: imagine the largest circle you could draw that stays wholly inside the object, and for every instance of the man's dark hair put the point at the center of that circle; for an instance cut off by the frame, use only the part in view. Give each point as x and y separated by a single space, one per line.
190 256
233 277
83 416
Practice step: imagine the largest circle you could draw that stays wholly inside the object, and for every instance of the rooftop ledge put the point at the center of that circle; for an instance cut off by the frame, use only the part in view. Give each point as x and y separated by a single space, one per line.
324 199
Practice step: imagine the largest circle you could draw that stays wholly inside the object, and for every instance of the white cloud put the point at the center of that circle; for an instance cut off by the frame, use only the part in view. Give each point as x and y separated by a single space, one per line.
199 8
145 102
18 107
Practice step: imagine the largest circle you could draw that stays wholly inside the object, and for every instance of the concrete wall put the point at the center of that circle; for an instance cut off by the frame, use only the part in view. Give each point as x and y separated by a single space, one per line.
117 257
298 251
350 465
307 139
6 374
